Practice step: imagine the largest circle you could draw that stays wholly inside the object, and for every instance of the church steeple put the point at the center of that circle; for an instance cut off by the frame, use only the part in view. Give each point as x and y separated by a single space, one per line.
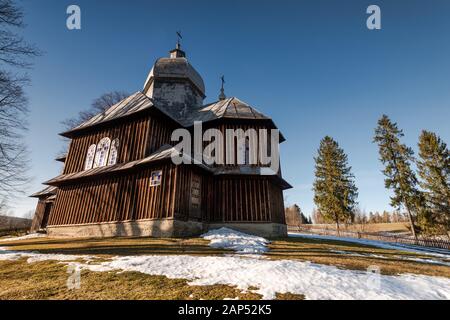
174 83
177 52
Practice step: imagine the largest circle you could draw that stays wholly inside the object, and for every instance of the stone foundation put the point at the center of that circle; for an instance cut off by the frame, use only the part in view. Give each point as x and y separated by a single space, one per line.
165 228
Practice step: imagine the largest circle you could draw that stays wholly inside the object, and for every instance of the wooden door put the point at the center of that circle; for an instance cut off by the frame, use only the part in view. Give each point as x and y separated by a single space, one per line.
195 211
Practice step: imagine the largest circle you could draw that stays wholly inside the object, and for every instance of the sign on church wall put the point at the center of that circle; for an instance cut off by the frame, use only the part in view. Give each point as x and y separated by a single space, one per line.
155 179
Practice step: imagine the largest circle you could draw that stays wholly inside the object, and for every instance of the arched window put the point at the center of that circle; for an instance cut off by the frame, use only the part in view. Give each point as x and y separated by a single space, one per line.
113 153
90 157
101 155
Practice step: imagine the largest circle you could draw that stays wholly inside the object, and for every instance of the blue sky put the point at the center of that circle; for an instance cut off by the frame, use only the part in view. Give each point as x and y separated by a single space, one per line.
313 66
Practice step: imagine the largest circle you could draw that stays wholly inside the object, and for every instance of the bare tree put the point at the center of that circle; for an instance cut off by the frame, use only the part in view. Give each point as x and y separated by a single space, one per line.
15 54
3 207
99 105
14 50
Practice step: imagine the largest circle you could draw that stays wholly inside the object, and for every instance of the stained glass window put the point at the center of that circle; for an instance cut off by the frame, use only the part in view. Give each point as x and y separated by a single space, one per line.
90 157
113 153
101 155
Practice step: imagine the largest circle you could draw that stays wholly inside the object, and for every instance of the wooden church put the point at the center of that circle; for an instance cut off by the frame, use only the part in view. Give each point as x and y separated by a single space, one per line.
119 179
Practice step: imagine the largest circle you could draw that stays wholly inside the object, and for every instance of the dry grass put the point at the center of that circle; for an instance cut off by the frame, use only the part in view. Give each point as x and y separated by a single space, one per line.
47 280
115 246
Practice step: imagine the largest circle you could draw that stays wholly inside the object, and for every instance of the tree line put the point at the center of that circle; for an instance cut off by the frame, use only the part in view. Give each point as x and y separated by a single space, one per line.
294 216
420 185
361 217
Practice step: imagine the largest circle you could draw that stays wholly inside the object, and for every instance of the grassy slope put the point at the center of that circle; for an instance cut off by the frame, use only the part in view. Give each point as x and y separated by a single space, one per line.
46 280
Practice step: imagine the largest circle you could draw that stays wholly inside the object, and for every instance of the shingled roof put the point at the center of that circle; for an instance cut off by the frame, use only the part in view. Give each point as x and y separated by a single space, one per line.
134 103
50 190
164 153
175 68
228 108
231 108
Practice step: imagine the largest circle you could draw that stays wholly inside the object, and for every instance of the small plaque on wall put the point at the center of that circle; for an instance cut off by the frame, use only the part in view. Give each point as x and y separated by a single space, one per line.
155 179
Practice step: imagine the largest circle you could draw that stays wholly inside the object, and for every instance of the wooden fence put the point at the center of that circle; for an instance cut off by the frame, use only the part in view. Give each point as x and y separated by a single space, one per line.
424 242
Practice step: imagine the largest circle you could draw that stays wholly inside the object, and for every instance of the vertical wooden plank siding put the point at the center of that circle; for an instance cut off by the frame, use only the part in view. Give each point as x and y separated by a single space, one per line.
242 199
38 216
137 139
128 197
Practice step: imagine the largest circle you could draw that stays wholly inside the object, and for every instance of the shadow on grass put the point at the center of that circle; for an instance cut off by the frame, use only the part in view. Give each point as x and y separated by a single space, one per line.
117 246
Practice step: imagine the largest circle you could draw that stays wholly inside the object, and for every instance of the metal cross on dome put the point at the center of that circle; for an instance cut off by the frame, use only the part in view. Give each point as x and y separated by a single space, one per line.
179 37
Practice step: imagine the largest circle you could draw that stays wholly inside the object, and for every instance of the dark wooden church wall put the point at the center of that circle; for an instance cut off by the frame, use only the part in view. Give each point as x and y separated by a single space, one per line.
138 137
230 199
183 192
38 215
243 199
120 198
276 204
155 202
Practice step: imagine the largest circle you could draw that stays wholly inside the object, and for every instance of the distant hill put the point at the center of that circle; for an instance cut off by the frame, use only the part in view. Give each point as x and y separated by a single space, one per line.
8 223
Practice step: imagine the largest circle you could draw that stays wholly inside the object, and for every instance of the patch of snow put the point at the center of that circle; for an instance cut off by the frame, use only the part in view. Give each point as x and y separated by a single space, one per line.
240 242
271 276
429 261
28 236
370 255
442 253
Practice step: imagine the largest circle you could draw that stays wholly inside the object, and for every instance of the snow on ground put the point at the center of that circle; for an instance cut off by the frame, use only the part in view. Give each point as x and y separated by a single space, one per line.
240 242
441 253
6 254
315 281
28 236
400 257
271 276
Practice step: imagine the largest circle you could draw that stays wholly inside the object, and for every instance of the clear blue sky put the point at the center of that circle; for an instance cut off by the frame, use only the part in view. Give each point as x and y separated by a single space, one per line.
311 65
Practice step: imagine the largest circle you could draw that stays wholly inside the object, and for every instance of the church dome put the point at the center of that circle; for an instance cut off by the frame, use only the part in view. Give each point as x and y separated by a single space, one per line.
175 67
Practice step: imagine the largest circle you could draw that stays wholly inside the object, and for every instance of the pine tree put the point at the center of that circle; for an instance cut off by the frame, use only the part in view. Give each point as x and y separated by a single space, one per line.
335 192
397 158
434 172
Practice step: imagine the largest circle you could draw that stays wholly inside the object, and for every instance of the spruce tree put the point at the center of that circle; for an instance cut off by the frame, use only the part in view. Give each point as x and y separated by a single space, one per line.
335 192
399 177
434 173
